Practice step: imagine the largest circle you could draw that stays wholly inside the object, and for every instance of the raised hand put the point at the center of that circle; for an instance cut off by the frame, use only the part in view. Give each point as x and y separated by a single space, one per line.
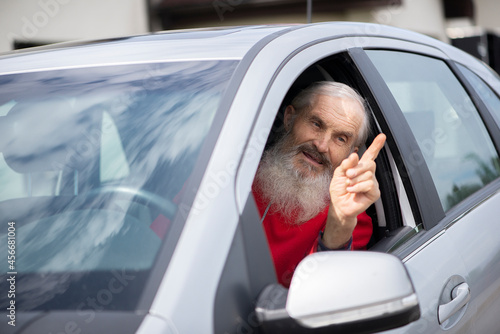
352 190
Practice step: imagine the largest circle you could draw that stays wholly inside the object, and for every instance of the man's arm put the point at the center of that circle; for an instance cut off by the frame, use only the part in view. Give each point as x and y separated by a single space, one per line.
352 190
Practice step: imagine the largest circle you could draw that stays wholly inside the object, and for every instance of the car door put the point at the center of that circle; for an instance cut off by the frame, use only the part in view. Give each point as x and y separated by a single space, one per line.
327 60
414 221
446 150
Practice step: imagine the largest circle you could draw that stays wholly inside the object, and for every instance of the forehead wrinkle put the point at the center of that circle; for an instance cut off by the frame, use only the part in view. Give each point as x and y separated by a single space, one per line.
336 117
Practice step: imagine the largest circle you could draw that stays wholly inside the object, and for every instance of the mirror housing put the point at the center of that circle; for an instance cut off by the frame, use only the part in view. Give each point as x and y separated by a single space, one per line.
354 292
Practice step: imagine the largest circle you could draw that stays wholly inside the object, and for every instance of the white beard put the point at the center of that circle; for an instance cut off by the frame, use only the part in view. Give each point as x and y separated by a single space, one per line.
296 196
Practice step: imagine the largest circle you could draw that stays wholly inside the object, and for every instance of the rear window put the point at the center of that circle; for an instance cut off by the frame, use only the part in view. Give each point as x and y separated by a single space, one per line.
454 141
94 164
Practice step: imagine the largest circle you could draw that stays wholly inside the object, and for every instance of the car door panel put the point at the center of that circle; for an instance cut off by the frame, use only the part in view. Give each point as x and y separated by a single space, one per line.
430 268
483 262
478 244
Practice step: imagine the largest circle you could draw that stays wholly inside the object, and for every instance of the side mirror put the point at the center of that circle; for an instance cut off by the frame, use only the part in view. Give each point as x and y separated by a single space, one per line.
352 292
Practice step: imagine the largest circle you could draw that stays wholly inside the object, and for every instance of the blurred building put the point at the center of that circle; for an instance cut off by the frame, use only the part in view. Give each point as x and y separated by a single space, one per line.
36 22
470 24
422 15
476 29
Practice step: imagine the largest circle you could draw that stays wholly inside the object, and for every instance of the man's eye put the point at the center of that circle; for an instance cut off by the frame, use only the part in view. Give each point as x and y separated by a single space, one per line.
316 124
341 139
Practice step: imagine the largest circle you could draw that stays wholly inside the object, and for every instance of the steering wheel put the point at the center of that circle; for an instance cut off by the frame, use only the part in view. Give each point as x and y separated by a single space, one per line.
106 197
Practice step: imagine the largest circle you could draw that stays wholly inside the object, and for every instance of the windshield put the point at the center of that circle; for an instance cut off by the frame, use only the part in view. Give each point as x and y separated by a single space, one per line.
93 165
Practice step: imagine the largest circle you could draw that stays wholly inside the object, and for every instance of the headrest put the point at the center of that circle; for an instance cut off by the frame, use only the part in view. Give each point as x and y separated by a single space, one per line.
46 135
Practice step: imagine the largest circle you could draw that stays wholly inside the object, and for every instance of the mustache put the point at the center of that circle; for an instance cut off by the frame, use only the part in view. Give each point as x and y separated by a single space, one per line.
311 150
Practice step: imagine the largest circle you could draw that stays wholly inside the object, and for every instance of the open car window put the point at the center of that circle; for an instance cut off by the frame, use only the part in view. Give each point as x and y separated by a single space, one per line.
385 213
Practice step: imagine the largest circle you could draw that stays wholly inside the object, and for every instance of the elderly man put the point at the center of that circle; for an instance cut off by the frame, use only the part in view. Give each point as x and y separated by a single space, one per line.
311 187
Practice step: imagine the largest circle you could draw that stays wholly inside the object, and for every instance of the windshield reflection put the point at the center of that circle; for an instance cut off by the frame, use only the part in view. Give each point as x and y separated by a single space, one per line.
92 167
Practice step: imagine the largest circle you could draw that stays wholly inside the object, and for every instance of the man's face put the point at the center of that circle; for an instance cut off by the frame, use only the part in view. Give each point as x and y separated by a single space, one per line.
325 134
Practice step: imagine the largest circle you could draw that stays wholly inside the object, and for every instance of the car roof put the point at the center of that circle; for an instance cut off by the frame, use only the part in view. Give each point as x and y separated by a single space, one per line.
196 44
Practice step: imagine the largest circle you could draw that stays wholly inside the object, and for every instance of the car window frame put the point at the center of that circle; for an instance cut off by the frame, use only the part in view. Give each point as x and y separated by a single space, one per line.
254 146
356 80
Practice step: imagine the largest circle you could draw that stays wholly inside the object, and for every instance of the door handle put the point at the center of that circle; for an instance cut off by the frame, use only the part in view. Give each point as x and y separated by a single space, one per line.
460 296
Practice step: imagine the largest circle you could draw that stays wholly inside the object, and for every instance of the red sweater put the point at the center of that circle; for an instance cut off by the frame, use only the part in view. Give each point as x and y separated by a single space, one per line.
290 243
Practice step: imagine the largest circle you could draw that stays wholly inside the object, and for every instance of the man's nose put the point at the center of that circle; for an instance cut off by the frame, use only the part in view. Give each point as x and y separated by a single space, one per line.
321 144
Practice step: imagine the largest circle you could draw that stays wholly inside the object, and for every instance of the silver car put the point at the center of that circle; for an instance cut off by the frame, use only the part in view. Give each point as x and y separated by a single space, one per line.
126 168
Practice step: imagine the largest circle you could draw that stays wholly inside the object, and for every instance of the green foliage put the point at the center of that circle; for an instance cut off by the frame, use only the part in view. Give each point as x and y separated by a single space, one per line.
487 172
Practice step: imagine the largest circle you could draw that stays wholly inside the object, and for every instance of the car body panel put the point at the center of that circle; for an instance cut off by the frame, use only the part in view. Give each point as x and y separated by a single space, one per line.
232 44
430 267
482 262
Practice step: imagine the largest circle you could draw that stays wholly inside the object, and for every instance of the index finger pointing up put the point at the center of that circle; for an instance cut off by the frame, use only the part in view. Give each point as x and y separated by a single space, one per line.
371 152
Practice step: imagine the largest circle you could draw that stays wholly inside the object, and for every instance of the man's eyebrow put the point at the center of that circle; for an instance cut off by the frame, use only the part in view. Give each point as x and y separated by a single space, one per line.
347 134
317 119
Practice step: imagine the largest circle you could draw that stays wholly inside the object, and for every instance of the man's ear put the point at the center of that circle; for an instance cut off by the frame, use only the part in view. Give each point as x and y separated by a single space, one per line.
288 117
